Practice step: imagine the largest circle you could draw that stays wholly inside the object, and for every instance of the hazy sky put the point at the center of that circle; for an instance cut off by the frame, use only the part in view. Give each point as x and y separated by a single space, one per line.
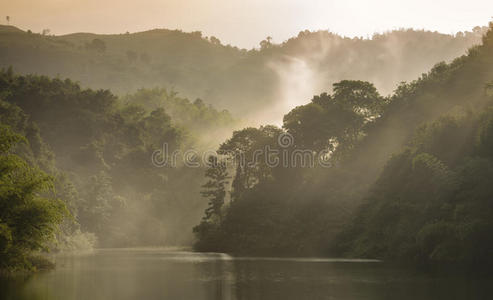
245 22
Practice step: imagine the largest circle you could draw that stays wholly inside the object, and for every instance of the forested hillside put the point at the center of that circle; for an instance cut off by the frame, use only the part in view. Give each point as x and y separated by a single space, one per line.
90 152
430 204
261 84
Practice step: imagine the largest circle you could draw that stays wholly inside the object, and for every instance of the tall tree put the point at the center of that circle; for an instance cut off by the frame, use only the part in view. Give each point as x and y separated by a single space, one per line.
215 188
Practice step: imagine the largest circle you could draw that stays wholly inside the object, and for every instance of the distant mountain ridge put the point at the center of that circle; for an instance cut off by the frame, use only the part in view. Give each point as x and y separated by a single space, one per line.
270 80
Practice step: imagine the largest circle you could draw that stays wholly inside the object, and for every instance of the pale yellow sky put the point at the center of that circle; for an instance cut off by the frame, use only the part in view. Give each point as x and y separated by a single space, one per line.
245 22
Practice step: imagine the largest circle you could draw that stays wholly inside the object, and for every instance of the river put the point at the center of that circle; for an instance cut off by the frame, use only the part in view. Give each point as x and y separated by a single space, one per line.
147 274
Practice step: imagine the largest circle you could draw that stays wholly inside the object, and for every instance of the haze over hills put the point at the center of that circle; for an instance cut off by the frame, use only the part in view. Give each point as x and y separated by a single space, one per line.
259 85
231 149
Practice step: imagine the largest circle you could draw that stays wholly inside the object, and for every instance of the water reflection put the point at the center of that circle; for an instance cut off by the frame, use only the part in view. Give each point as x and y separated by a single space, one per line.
158 274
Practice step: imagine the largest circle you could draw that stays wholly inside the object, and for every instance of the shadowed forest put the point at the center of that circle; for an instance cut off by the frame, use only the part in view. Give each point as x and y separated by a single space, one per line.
405 119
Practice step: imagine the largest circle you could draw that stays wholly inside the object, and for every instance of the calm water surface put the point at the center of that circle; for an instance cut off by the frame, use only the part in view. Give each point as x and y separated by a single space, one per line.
147 274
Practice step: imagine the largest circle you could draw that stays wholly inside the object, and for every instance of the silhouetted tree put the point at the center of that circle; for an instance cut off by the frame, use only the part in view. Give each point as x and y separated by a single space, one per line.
214 40
267 43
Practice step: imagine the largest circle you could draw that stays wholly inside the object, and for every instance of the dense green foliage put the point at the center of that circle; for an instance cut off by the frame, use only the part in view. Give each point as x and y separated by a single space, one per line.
432 203
29 215
244 82
428 203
